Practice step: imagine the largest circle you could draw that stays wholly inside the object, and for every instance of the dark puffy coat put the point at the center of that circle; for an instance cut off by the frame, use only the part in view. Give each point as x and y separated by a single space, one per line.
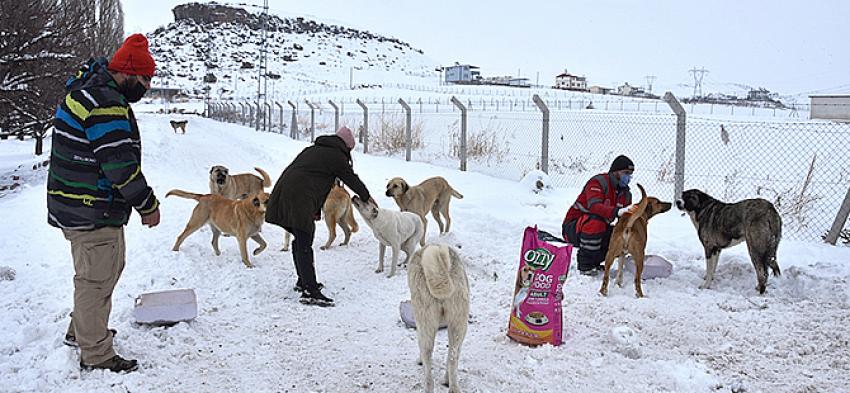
597 205
300 192
96 159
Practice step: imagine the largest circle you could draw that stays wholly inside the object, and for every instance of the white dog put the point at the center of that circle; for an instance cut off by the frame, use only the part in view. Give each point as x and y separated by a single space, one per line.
439 290
399 230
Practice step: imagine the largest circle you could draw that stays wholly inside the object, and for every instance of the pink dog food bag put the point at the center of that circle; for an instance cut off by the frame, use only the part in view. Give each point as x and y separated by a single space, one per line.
536 307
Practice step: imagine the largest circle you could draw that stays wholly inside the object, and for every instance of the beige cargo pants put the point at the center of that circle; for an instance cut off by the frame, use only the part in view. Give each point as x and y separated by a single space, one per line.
98 263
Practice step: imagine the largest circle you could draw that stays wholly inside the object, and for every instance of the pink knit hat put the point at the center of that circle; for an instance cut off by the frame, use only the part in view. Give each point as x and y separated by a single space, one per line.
345 134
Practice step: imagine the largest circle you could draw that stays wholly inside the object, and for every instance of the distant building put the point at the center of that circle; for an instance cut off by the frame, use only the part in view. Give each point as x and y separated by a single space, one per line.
600 90
830 107
760 94
569 81
629 90
167 93
506 81
461 73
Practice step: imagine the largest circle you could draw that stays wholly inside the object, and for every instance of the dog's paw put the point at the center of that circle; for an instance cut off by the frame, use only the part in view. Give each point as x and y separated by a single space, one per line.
175 249
379 270
705 285
284 249
323 248
259 250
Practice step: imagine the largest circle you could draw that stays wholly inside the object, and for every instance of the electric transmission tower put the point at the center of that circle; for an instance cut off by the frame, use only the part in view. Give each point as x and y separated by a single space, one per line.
262 79
698 75
649 80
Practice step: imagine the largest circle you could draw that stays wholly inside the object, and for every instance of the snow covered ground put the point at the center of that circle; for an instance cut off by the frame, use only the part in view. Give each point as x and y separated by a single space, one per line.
253 335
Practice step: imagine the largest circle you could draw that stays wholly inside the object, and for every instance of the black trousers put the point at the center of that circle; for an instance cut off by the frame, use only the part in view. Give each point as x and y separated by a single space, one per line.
591 248
302 255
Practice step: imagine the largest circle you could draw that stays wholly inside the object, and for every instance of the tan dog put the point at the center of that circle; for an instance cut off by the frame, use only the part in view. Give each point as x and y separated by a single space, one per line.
337 210
432 195
629 236
181 124
237 186
241 218
439 291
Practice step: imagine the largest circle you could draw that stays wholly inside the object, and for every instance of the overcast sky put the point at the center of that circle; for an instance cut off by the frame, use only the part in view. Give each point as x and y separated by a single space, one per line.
786 46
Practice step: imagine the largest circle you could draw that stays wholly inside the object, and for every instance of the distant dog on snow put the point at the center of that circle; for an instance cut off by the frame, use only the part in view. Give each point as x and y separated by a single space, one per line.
721 225
399 230
439 290
181 124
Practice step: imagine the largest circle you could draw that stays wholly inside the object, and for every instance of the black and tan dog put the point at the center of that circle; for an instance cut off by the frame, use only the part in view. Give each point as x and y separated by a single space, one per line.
432 195
241 218
722 225
181 124
630 236
237 186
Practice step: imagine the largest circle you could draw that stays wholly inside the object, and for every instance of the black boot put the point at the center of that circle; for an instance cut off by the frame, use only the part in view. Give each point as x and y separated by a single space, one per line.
300 288
116 364
316 299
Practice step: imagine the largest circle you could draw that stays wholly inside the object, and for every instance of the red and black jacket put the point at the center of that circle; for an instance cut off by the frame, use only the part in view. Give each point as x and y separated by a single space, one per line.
596 207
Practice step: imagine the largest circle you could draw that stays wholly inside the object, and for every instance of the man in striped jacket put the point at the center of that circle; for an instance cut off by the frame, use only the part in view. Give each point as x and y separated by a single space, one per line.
95 179
587 224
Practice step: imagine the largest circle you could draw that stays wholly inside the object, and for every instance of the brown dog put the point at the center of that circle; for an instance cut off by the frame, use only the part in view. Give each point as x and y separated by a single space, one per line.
237 186
181 124
241 218
629 236
337 210
432 195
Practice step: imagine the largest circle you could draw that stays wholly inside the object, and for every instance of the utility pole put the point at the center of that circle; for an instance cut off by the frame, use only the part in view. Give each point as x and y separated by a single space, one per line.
698 75
649 80
262 79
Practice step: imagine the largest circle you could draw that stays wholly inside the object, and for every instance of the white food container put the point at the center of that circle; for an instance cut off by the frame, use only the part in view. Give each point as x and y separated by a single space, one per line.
166 307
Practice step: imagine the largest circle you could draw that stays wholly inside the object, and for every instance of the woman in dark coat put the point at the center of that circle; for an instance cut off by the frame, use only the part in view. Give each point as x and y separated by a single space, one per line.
296 202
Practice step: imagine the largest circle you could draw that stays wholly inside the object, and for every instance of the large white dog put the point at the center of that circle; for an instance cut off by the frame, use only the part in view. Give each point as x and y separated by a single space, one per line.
439 290
399 230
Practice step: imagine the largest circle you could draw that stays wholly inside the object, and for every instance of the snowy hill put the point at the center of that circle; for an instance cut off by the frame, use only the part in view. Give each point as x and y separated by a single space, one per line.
222 43
253 335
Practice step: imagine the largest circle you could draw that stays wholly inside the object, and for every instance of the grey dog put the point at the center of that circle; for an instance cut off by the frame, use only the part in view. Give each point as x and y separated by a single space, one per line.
721 225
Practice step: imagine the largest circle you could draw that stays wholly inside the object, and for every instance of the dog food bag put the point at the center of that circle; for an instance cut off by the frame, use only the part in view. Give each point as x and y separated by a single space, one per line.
536 306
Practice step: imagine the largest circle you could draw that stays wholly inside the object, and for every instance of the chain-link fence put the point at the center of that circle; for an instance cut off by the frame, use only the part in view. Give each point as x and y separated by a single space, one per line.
803 168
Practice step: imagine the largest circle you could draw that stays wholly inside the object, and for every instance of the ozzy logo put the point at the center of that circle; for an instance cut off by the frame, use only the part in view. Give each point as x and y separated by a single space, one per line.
539 258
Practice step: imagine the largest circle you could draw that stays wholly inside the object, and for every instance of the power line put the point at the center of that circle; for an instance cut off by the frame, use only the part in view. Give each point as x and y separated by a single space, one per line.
262 79
649 80
698 75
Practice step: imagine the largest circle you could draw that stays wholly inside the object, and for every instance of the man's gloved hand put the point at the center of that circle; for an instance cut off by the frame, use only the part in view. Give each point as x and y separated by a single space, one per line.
628 209
317 216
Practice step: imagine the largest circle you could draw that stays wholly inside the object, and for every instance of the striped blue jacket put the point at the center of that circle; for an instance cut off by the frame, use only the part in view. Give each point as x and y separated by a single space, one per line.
96 156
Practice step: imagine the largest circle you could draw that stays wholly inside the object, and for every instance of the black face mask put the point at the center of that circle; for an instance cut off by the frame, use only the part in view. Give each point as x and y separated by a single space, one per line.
132 90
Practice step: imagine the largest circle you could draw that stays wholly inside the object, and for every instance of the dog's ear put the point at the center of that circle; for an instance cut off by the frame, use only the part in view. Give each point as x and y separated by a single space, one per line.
404 186
211 170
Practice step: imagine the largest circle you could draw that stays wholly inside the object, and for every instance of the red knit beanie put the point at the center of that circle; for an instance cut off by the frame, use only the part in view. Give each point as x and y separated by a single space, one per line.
133 57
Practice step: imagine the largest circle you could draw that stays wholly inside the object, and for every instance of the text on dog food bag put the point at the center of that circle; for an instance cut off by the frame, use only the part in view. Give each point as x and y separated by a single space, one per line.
536 308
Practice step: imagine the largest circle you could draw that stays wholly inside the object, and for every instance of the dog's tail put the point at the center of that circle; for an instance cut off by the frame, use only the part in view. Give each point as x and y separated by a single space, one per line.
456 194
637 213
267 181
349 217
774 245
437 264
184 194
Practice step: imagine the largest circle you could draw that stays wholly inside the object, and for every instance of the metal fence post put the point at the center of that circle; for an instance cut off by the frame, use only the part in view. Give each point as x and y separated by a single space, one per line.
462 108
840 219
242 111
407 133
267 117
312 120
544 141
293 125
280 109
257 121
364 134
681 123
336 115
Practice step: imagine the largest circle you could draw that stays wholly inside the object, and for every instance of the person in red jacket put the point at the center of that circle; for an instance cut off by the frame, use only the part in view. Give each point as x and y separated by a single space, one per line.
587 224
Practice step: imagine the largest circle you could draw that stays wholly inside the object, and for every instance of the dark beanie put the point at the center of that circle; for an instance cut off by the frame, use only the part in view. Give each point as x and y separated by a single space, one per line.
620 163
